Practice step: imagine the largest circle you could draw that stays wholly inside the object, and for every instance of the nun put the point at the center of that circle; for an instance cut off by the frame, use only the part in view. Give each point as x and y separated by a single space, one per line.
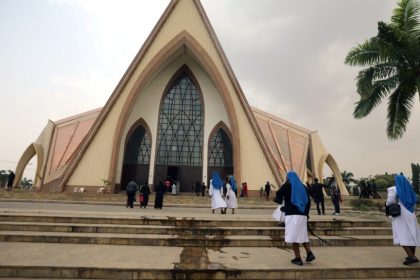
215 192
230 199
405 229
296 206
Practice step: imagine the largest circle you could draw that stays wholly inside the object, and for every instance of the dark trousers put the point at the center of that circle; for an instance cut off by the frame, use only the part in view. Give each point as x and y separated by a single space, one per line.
320 201
130 198
336 202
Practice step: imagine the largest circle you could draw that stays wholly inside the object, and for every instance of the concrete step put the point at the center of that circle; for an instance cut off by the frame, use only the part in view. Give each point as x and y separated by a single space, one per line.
172 230
75 261
188 240
216 221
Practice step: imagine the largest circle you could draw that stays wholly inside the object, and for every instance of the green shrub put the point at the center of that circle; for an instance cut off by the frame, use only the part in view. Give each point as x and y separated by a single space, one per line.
367 204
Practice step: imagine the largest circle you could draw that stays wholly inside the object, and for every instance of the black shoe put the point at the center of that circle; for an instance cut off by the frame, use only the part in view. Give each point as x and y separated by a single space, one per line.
310 257
410 260
297 261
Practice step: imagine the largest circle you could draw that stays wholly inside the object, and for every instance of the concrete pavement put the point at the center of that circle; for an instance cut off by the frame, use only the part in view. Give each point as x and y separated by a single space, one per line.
76 261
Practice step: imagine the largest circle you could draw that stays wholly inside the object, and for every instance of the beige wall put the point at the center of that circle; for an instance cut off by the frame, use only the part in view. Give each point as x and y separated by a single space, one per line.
44 140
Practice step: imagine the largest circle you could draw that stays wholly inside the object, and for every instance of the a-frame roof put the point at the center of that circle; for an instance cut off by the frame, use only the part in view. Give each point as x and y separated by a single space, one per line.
142 56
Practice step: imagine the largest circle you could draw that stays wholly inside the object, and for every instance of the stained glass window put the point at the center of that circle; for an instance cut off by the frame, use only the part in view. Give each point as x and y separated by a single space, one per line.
220 150
138 147
180 130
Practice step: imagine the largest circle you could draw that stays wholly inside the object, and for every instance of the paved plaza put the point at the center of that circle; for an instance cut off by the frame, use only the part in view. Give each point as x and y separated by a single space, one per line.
102 255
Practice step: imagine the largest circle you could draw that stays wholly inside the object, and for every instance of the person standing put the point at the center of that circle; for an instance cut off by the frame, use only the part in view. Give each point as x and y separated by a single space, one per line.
318 195
363 190
160 190
203 189
215 192
174 188
10 181
245 189
267 189
375 189
296 206
197 188
144 191
231 201
405 229
131 190
335 196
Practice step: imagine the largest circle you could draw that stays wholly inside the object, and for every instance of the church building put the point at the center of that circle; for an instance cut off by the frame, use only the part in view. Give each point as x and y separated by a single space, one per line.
178 111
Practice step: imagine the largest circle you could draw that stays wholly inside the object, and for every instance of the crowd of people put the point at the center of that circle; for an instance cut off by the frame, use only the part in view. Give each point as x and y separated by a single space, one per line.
296 198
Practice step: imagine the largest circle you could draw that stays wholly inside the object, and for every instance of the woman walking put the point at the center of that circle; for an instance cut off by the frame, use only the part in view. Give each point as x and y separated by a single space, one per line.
296 204
405 229
215 192
231 201
144 192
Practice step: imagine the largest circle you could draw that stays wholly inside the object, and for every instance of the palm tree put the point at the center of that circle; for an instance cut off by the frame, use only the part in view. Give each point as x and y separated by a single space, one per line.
347 179
26 183
392 61
3 178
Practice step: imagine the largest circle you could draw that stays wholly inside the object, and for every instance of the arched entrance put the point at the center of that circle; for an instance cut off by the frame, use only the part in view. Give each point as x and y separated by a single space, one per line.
220 156
180 132
137 155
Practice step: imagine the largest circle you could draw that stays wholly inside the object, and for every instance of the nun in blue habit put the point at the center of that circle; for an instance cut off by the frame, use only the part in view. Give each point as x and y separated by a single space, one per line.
231 201
296 206
215 192
405 229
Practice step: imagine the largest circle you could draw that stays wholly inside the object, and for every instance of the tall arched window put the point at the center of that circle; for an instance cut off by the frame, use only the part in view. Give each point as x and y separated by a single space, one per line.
220 150
136 157
180 131
138 147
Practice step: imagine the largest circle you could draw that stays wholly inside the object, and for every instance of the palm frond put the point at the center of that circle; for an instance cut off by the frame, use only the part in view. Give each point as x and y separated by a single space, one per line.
400 104
371 77
364 54
406 16
395 44
370 99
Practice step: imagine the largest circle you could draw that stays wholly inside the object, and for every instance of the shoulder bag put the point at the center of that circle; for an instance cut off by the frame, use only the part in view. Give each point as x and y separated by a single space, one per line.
393 210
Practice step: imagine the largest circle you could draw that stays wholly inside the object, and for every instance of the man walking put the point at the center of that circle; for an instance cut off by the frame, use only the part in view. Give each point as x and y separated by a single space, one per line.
318 195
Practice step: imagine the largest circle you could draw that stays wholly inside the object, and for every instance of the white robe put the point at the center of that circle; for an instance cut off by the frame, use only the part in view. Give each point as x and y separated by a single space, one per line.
216 198
231 202
296 229
405 229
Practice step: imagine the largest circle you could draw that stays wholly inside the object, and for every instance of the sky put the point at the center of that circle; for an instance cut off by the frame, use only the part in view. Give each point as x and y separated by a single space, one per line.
64 57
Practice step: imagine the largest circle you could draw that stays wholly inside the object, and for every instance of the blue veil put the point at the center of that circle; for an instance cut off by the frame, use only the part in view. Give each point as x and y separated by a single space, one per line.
405 193
216 181
299 195
233 183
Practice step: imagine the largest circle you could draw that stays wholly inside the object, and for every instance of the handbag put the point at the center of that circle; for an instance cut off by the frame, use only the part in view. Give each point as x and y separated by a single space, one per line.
393 210
278 214
141 198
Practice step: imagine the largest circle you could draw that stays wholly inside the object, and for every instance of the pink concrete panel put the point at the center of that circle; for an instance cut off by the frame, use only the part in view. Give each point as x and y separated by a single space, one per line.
298 148
281 135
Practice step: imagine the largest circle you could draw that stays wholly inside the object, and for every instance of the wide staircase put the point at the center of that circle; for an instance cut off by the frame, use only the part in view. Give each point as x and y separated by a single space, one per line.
197 246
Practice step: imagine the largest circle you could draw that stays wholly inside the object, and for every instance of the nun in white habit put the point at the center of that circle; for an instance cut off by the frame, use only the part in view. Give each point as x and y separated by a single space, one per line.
215 192
230 199
296 206
405 229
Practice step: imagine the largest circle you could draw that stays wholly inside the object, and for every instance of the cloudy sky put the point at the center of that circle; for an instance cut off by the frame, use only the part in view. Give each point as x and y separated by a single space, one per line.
60 58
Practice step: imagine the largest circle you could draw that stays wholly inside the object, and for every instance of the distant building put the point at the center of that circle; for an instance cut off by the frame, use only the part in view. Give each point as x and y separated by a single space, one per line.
178 111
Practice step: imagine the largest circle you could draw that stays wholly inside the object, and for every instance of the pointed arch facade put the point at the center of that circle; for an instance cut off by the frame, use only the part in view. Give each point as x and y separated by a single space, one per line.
220 151
137 154
32 150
